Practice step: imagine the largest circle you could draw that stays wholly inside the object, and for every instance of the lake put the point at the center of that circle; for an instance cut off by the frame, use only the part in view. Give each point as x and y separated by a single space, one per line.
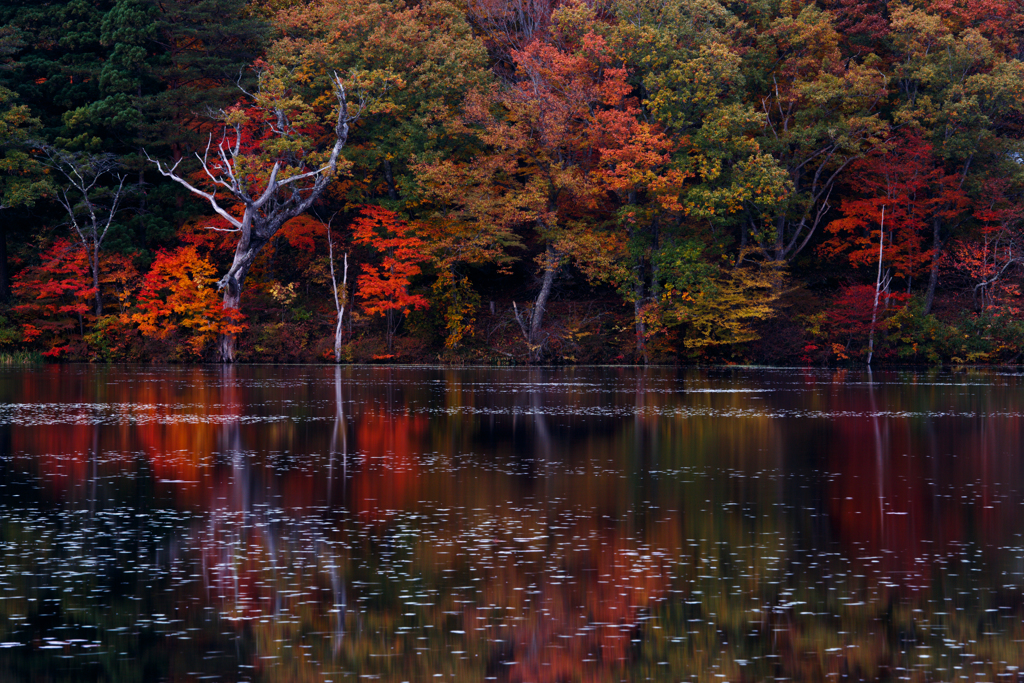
581 524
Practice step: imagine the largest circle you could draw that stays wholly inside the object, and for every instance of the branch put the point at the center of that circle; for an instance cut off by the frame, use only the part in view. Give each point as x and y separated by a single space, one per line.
210 197
118 196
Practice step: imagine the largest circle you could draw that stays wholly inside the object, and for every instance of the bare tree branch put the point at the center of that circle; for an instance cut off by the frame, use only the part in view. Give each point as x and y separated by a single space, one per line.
279 200
90 206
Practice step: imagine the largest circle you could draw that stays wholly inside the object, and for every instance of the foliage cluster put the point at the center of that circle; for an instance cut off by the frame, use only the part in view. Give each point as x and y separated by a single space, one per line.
626 181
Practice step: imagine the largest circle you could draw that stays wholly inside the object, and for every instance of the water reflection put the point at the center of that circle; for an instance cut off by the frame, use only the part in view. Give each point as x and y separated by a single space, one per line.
293 524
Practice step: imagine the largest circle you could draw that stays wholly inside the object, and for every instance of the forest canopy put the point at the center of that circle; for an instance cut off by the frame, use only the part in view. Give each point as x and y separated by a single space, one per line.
512 181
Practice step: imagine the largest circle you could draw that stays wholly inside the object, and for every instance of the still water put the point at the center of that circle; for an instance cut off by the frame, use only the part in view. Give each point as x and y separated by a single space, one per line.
423 524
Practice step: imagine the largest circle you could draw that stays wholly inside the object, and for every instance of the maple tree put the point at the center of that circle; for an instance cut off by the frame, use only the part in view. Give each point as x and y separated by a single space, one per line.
179 293
384 288
565 110
849 325
957 81
57 295
905 182
990 258
563 86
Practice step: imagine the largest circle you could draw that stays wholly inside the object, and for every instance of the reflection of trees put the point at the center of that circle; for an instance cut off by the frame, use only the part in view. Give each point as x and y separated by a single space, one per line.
413 558
339 435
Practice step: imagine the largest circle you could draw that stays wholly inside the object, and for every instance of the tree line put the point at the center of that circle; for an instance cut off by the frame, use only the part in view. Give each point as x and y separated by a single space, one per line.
512 181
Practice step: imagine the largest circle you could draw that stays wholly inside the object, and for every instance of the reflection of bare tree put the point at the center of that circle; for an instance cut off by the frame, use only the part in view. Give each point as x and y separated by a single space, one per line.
94 456
880 457
230 513
535 377
339 434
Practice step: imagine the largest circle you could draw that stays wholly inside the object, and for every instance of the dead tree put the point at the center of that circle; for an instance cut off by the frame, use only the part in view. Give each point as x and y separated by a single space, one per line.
91 204
340 295
287 187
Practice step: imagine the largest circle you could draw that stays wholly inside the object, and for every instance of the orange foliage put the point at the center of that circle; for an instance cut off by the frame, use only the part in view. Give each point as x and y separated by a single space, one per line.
385 289
179 293
301 233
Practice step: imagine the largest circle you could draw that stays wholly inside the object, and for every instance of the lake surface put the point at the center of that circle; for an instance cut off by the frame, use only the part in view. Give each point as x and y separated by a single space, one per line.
581 524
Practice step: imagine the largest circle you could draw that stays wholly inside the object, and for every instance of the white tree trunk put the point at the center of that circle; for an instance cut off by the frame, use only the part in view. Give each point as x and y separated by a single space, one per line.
878 288
535 342
266 209
340 302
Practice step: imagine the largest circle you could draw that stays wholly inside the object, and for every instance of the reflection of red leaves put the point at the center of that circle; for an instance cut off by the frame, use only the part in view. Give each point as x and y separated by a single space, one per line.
883 501
389 477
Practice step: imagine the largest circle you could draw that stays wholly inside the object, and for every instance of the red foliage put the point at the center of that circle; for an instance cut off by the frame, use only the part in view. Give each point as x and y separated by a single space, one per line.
57 295
861 19
257 135
1000 21
914 189
302 232
847 323
987 259
61 285
384 289
209 234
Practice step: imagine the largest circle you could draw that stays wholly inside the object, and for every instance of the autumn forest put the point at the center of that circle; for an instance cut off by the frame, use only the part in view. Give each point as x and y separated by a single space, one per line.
512 181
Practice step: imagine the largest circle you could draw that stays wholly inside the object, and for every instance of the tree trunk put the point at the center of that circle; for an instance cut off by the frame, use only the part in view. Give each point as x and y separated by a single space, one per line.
933 276
232 284
780 238
878 289
641 327
95 258
641 330
551 259
340 303
389 177
271 208
390 324
226 342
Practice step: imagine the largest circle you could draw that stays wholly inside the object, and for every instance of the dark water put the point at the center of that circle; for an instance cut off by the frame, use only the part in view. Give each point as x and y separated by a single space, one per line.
308 524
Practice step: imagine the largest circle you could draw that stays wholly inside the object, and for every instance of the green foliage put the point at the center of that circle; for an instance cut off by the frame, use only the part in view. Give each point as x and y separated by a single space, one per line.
22 178
713 304
672 158
411 65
